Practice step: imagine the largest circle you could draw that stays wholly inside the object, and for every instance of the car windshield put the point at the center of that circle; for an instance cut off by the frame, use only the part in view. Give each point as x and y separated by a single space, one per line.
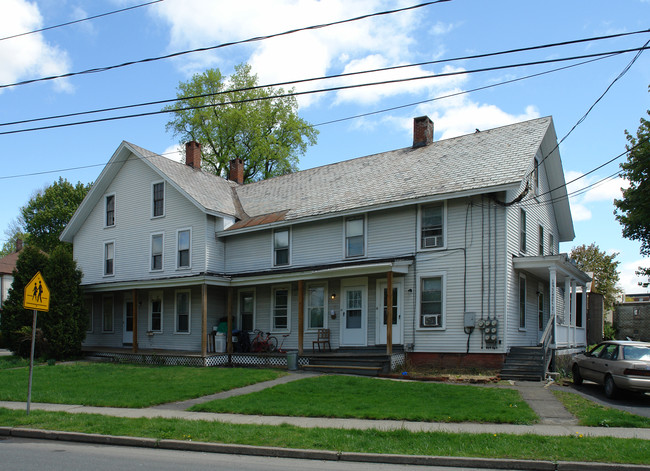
636 353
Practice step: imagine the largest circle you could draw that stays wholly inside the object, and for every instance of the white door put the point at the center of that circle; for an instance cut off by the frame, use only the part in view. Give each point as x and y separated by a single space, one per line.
127 330
382 314
354 318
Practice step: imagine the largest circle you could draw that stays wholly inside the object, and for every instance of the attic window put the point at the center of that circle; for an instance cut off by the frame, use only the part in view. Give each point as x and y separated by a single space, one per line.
158 203
110 210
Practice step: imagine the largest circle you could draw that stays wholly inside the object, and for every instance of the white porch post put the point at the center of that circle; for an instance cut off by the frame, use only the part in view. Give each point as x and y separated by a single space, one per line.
574 322
553 299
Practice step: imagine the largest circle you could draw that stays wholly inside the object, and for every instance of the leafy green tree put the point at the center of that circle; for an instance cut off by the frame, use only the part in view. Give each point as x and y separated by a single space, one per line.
633 211
231 118
590 258
13 233
63 327
49 210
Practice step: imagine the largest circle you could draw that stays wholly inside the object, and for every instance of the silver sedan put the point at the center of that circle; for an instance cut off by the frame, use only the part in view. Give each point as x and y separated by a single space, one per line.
616 364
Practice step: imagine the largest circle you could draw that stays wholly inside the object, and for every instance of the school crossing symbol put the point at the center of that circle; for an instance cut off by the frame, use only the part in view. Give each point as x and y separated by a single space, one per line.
37 294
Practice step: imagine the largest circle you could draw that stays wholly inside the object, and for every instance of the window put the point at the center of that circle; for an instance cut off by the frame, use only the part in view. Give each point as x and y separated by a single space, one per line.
155 311
107 314
281 247
109 258
431 302
536 176
157 252
432 226
541 240
158 203
110 210
184 246
316 306
522 231
522 302
88 306
183 312
354 237
281 308
551 244
247 310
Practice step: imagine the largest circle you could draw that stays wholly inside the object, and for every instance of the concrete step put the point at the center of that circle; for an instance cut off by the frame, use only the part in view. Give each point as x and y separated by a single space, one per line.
345 369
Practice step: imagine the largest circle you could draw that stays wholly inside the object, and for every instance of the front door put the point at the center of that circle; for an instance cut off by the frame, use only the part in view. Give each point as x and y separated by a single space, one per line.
382 314
540 312
127 331
353 315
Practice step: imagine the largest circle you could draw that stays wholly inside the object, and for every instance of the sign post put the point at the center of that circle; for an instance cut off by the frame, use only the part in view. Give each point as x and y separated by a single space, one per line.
36 297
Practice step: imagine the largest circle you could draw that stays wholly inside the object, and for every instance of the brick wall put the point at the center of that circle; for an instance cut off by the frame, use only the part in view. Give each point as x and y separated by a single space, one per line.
492 361
632 320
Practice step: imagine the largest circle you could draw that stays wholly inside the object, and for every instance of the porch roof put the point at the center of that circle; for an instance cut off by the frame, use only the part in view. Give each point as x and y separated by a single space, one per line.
541 265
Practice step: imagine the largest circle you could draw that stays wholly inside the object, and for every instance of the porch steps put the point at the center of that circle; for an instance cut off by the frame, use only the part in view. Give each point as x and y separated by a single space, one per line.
524 364
346 363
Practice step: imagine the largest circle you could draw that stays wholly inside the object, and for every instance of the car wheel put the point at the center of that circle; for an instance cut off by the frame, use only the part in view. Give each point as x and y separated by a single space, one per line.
577 377
610 387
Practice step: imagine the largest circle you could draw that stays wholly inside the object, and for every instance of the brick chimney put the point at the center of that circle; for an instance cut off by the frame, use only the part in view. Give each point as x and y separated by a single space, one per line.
422 131
236 173
193 155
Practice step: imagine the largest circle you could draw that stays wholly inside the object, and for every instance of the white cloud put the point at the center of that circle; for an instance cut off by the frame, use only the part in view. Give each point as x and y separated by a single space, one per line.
604 192
441 28
629 280
174 152
28 56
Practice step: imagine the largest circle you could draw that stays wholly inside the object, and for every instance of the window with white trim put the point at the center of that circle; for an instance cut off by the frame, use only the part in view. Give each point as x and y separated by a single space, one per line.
107 314
536 176
551 244
355 236
281 247
432 302
522 302
109 258
110 211
183 259
522 230
183 313
156 252
281 310
316 306
247 310
432 219
158 201
541 240
88 307
155 311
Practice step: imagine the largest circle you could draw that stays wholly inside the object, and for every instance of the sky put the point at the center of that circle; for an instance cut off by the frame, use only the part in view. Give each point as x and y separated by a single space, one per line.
31 160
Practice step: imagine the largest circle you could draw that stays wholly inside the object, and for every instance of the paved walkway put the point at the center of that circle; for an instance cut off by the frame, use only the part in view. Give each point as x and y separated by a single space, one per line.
555 420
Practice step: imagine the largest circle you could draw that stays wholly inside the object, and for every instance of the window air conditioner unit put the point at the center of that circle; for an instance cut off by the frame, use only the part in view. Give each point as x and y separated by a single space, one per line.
431 320
433 241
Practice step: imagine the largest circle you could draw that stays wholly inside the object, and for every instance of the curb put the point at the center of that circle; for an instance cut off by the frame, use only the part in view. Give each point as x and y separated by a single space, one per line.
324 455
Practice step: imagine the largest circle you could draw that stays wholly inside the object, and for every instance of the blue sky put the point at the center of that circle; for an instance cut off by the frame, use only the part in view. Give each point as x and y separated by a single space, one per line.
441 31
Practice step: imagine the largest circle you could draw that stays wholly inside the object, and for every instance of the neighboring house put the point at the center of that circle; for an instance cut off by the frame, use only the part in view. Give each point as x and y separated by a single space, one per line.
460 236
7 266
632 317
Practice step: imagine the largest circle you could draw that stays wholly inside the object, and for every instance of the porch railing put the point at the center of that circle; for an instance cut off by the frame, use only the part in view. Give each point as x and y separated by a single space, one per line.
545 343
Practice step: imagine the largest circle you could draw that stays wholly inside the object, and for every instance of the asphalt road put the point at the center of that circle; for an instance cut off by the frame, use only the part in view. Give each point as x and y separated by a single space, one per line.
633 403
17 454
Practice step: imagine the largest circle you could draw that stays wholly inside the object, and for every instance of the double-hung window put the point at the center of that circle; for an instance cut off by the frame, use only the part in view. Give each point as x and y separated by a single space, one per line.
432 220
156 252
316 306
432 302
541 240
184 248
281 247
155 311
522 231
354 237
551 244
183 312
109 258
536 176
110 211
158 203
281 308
107 314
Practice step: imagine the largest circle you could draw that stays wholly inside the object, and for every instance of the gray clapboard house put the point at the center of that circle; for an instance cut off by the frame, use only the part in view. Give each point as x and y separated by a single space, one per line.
461 236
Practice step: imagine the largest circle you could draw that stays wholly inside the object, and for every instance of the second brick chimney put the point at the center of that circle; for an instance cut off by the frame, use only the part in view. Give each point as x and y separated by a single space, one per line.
193 155
236 173
422 131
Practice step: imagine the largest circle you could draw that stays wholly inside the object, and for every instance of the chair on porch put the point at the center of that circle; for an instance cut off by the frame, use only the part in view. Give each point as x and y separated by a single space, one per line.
323 337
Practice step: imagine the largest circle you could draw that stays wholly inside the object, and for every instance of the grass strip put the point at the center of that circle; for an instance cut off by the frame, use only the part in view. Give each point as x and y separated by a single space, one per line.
118 385
12 361
372 398
595 415
526 447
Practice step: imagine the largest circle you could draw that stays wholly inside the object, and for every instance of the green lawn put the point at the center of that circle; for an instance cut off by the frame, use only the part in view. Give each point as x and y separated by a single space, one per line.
12 362
594 415
371 398
114 385
526 447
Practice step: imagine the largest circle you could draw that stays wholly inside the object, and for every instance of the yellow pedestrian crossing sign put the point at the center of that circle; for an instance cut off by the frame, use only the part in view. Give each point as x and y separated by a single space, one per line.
37 294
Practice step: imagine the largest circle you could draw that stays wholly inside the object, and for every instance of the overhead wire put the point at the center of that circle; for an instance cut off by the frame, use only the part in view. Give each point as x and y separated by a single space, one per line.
88 18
